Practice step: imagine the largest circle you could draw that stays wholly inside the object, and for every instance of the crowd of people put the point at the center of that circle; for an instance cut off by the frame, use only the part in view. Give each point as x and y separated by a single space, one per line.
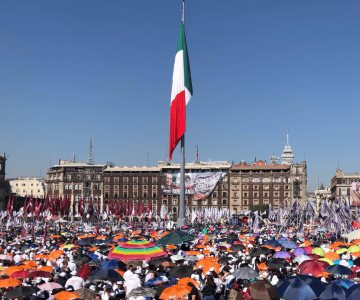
218 261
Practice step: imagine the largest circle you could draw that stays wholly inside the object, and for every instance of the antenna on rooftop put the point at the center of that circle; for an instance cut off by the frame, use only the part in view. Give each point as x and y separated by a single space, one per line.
74 157
90 154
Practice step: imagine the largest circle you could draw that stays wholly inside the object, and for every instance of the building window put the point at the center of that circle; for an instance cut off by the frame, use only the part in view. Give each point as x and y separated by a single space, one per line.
144 195
224 201
174 209
135 180
126 180
154 195
125 195
174 201
125 187
107 179
144 187
256 202
276 187
116 180
135 194
266 187
116 195
154 180
235 181
107 188
214 202
98 177
287 187
164 202
145 180
68 176
245 187
106 195
276 194
214 194
224 194
266 201
256 187
245 202
245 194
256 194
245 180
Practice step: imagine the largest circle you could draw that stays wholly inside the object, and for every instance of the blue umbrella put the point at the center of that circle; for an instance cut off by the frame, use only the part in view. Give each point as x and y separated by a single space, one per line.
112 264
288 244
272 243
299 251
345 283
161 279
333 291
106 274
93 257
353 293
315 283
339 269
295 288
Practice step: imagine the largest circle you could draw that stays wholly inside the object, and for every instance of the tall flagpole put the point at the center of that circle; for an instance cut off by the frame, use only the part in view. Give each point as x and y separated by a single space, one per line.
181 218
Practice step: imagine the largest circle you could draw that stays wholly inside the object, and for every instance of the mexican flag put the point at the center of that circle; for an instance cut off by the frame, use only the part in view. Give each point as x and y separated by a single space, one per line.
181 92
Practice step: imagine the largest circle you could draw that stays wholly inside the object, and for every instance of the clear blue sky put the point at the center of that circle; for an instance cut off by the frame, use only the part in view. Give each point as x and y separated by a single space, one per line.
71 70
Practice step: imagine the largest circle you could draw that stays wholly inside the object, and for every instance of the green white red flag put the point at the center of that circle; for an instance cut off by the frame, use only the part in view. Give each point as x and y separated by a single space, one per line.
181 92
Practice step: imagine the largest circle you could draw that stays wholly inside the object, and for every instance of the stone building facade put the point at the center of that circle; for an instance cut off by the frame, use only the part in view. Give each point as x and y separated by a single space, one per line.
76 181
26 187
260 183
144 184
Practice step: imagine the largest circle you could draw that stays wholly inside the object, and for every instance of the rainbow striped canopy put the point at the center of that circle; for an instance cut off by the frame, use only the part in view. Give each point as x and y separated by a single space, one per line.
136 250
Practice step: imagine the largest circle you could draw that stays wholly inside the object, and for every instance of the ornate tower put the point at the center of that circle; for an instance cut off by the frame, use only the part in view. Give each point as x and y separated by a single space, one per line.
287 157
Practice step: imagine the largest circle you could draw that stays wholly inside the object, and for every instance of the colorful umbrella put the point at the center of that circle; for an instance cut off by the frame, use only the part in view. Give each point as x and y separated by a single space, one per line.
318 251
313 267
136 250
9 282
175 291
66 296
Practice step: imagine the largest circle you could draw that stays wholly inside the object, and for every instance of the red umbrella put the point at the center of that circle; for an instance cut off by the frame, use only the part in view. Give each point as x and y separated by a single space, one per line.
20 274
313 267
36 274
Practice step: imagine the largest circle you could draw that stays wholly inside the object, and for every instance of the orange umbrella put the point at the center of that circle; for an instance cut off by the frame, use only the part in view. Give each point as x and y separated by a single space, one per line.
332 255
92 249
200 246
175 291
28 267
262 266
207 263
356 254
30 263
101 237
186 280
192 252
55 254
46 269
66 295
9 282
8 271
171 247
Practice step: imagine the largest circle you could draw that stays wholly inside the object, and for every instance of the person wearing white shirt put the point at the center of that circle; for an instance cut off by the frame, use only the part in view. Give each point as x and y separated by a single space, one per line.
75 281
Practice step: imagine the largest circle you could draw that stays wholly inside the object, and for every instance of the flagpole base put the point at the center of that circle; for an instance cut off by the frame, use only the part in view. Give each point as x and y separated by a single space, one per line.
180 223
